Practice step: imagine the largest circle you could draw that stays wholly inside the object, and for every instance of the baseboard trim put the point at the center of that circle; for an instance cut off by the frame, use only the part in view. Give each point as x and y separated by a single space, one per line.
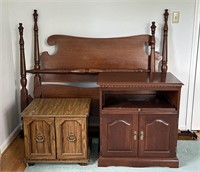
10 139
187 135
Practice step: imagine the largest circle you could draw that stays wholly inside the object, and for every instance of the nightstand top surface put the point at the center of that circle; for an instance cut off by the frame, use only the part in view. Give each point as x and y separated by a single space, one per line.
53 107
131 79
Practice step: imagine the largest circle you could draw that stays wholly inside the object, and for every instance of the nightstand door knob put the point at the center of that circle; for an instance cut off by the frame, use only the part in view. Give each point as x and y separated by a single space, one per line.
71 137
40 137
141 135
135 135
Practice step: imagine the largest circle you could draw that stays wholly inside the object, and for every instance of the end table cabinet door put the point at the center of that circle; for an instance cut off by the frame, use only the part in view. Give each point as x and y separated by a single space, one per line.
119 134
39 136
158 135
71 138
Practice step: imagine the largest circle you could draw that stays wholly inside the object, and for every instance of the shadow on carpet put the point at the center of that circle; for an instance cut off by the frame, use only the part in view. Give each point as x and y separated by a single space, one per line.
188 153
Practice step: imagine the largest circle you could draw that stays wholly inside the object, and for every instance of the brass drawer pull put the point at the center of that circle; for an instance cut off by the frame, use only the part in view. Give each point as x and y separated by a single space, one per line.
40 137
135 135
141 135
71 137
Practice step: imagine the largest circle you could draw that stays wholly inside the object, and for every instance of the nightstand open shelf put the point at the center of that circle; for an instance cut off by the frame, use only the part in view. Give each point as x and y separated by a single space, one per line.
136 101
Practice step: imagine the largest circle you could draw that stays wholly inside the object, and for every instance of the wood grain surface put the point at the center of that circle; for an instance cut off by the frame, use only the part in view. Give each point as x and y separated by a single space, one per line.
73 107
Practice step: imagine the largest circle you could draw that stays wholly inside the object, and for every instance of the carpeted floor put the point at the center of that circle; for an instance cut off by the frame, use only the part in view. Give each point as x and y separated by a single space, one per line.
188 154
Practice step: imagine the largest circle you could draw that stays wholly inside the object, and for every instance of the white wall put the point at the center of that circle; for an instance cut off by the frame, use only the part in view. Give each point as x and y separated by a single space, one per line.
193 109
1 58
101 18
9 118
195 125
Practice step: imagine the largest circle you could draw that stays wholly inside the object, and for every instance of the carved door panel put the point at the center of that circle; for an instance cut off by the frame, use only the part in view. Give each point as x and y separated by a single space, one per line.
119 134
157 135
71 138
39 138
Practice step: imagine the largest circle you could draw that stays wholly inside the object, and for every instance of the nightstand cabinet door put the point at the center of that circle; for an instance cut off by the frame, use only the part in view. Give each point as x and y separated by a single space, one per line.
119 135
158 135
71 138
39 136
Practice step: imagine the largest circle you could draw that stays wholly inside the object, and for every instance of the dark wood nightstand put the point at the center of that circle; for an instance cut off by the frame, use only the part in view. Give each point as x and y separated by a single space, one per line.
138 119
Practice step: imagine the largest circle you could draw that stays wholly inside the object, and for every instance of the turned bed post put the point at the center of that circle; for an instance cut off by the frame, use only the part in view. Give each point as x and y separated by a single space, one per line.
165 42
23 80
37 78
152 56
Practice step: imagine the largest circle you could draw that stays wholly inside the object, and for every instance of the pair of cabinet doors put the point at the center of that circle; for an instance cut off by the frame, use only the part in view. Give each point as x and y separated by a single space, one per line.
139 135
55 138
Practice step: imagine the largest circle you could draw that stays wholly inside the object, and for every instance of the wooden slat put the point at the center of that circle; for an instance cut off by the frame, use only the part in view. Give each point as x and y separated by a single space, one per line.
69 77
56 91
81 71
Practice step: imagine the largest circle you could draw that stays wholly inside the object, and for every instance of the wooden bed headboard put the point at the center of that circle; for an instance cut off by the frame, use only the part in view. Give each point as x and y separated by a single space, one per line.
81 59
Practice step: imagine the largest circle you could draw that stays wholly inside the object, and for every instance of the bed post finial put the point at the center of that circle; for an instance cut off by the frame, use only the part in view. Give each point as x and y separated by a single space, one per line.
165 42
36 50
153 41
23 80
36 44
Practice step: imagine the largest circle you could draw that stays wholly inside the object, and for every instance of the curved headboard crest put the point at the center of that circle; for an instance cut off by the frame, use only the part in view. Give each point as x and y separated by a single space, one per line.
76 53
